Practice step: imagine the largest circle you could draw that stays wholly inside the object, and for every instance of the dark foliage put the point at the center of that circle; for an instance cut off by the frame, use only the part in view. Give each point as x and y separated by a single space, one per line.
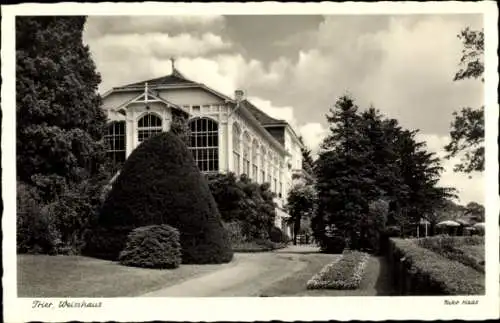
246 202
366 158
60 127
467 128
161 184
333 244
105 243
35 229
154 246
277 235
59 120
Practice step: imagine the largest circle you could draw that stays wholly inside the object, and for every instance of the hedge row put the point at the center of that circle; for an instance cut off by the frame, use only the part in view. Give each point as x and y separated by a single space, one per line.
419 271
345 273
259 245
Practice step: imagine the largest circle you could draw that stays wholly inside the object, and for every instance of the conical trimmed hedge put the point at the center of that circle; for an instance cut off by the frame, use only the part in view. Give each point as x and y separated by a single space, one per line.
161 184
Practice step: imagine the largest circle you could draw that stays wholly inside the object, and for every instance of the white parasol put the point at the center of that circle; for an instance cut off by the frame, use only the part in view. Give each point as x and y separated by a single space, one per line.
448 223
479 225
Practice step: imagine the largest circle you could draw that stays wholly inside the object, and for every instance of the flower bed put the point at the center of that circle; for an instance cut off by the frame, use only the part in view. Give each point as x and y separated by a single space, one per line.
420 271
345 273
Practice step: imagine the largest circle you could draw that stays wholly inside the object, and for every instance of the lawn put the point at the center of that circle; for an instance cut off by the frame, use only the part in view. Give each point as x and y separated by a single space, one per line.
76 276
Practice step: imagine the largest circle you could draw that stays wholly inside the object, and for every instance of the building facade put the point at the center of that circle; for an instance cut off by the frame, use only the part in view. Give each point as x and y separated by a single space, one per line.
228 134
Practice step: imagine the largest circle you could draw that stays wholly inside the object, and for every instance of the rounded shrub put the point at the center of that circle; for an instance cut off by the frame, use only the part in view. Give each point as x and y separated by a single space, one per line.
154 246
160 183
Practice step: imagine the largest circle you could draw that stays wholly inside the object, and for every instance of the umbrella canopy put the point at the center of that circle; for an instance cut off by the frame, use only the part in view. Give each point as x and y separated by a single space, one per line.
479 225
463 221
424 221
448 223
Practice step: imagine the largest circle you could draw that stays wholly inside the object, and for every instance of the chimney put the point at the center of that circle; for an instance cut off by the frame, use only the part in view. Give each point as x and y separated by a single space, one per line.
239 95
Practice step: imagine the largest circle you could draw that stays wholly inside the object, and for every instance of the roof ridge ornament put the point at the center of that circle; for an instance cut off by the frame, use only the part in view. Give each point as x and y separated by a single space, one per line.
172 61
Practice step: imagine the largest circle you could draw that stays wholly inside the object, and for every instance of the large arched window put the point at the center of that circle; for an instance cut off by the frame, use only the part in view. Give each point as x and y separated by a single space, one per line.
204 143
115 143
263 164
147 126
255 148
247 143
236 148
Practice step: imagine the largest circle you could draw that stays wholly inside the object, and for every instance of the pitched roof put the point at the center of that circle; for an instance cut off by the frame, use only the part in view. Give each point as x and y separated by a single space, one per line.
262 117
172 79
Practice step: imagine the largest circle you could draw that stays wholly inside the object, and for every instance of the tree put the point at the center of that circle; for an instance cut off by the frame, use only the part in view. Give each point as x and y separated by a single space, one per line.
301 202
60 128
467 128
180 126
368 158
342 172
307 160
421 171
248 203
476 211
160 183
60 124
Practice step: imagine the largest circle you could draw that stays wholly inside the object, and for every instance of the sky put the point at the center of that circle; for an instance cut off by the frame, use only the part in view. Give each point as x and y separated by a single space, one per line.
294 67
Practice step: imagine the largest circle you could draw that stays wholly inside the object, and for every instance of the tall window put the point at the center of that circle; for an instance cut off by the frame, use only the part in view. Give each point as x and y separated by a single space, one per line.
255 148
236 149
148 126
115 143
275 174
263 164
204 143
269 167
247 143
281 170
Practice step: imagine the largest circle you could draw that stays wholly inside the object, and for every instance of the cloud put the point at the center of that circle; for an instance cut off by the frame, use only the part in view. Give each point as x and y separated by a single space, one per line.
281 113
403 65
98 26
161 45
313 134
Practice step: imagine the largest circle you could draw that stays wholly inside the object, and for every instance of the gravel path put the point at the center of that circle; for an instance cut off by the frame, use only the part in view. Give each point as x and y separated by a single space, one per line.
250 273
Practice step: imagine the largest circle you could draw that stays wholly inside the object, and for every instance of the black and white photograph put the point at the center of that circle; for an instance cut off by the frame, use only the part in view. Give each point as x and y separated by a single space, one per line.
286 157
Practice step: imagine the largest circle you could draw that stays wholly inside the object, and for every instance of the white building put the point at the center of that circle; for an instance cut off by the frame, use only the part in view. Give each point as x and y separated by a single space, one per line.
227 134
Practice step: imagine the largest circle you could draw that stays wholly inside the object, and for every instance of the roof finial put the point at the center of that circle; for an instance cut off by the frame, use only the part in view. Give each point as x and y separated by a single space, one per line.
172 60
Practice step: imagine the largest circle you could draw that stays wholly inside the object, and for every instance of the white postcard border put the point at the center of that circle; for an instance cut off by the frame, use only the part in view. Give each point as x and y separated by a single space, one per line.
251 309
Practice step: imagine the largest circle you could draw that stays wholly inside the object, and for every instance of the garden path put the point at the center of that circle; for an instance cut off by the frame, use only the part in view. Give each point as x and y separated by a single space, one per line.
248 276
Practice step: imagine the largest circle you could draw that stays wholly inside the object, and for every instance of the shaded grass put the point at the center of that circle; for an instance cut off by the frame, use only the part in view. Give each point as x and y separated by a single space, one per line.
76 276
